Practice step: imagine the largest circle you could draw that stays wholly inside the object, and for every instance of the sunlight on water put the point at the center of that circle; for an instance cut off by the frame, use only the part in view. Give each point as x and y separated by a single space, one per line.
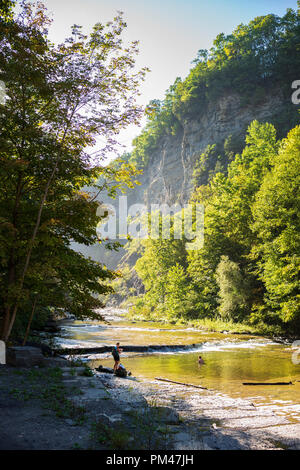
98 334
229 359
225 370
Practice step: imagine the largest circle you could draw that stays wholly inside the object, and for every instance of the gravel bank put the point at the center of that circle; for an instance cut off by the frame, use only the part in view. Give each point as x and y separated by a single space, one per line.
58 408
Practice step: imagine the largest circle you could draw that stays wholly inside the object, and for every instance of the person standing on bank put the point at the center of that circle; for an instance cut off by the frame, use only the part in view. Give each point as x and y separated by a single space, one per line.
116 355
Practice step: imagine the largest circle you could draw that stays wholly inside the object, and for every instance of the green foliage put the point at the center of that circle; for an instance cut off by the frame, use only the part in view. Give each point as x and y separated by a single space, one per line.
228 218
233 290
6 9
154 267
176 292
248 62
60 98
248 268
39 320
88 372
277 225
202 173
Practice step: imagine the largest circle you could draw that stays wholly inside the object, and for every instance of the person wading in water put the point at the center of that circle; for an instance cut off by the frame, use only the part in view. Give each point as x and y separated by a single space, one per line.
116 355
200 360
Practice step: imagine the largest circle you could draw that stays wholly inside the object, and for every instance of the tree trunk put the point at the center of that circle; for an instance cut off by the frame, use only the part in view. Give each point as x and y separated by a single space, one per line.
28 256
6 322
30 320
37 225
11 262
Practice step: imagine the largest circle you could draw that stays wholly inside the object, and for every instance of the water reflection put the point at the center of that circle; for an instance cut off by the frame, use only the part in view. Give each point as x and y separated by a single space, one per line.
229 359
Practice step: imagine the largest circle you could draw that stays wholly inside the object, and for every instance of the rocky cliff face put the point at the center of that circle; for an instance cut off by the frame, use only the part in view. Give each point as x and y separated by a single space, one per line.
167 177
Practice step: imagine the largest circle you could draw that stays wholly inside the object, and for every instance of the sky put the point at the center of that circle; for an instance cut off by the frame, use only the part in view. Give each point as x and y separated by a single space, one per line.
170 32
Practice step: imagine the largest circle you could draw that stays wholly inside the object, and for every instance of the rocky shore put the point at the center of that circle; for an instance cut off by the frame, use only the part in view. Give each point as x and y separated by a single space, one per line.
60 405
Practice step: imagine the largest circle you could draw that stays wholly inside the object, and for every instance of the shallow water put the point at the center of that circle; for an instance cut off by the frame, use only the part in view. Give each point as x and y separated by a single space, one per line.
132 333
229 359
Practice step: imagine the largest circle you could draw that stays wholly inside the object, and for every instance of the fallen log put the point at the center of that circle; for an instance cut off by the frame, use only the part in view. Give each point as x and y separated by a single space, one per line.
126 348
180 383
267 383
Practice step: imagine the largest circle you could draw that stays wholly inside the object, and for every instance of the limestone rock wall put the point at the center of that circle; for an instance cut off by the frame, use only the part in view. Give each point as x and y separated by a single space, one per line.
167 177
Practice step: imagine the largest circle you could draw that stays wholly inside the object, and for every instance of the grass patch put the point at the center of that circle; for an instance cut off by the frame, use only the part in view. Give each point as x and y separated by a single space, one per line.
140 429
111 437
46 385
216 325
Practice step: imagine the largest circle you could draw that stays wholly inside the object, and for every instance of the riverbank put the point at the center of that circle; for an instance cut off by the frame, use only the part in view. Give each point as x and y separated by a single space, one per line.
115 314
221 326
68 407
59 408
215 421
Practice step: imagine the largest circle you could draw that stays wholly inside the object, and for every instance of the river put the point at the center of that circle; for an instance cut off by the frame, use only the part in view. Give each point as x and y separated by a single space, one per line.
230 359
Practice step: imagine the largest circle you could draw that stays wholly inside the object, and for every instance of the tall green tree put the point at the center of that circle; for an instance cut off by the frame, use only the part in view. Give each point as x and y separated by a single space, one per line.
233 290
61 99
248 268
277 225
228 216
177 288
158 257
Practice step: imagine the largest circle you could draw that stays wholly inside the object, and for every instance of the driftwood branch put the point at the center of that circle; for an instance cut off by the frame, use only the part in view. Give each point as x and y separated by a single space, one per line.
180 383
267 383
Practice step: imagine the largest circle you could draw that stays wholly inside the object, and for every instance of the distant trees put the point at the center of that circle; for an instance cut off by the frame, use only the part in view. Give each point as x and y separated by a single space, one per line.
60 100
154 267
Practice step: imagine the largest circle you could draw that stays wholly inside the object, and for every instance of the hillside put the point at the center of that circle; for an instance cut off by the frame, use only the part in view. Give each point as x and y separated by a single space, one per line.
201 124
224 137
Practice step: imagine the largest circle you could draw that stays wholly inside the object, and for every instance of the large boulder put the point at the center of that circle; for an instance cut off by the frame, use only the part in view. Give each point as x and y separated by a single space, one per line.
24 356
46 350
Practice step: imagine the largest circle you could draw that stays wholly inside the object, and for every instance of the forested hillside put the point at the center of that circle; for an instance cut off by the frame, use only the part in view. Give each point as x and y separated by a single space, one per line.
256 60
248 269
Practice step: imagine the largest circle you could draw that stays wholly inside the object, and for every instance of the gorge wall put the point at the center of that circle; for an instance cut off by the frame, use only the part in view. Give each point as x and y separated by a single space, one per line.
167 177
